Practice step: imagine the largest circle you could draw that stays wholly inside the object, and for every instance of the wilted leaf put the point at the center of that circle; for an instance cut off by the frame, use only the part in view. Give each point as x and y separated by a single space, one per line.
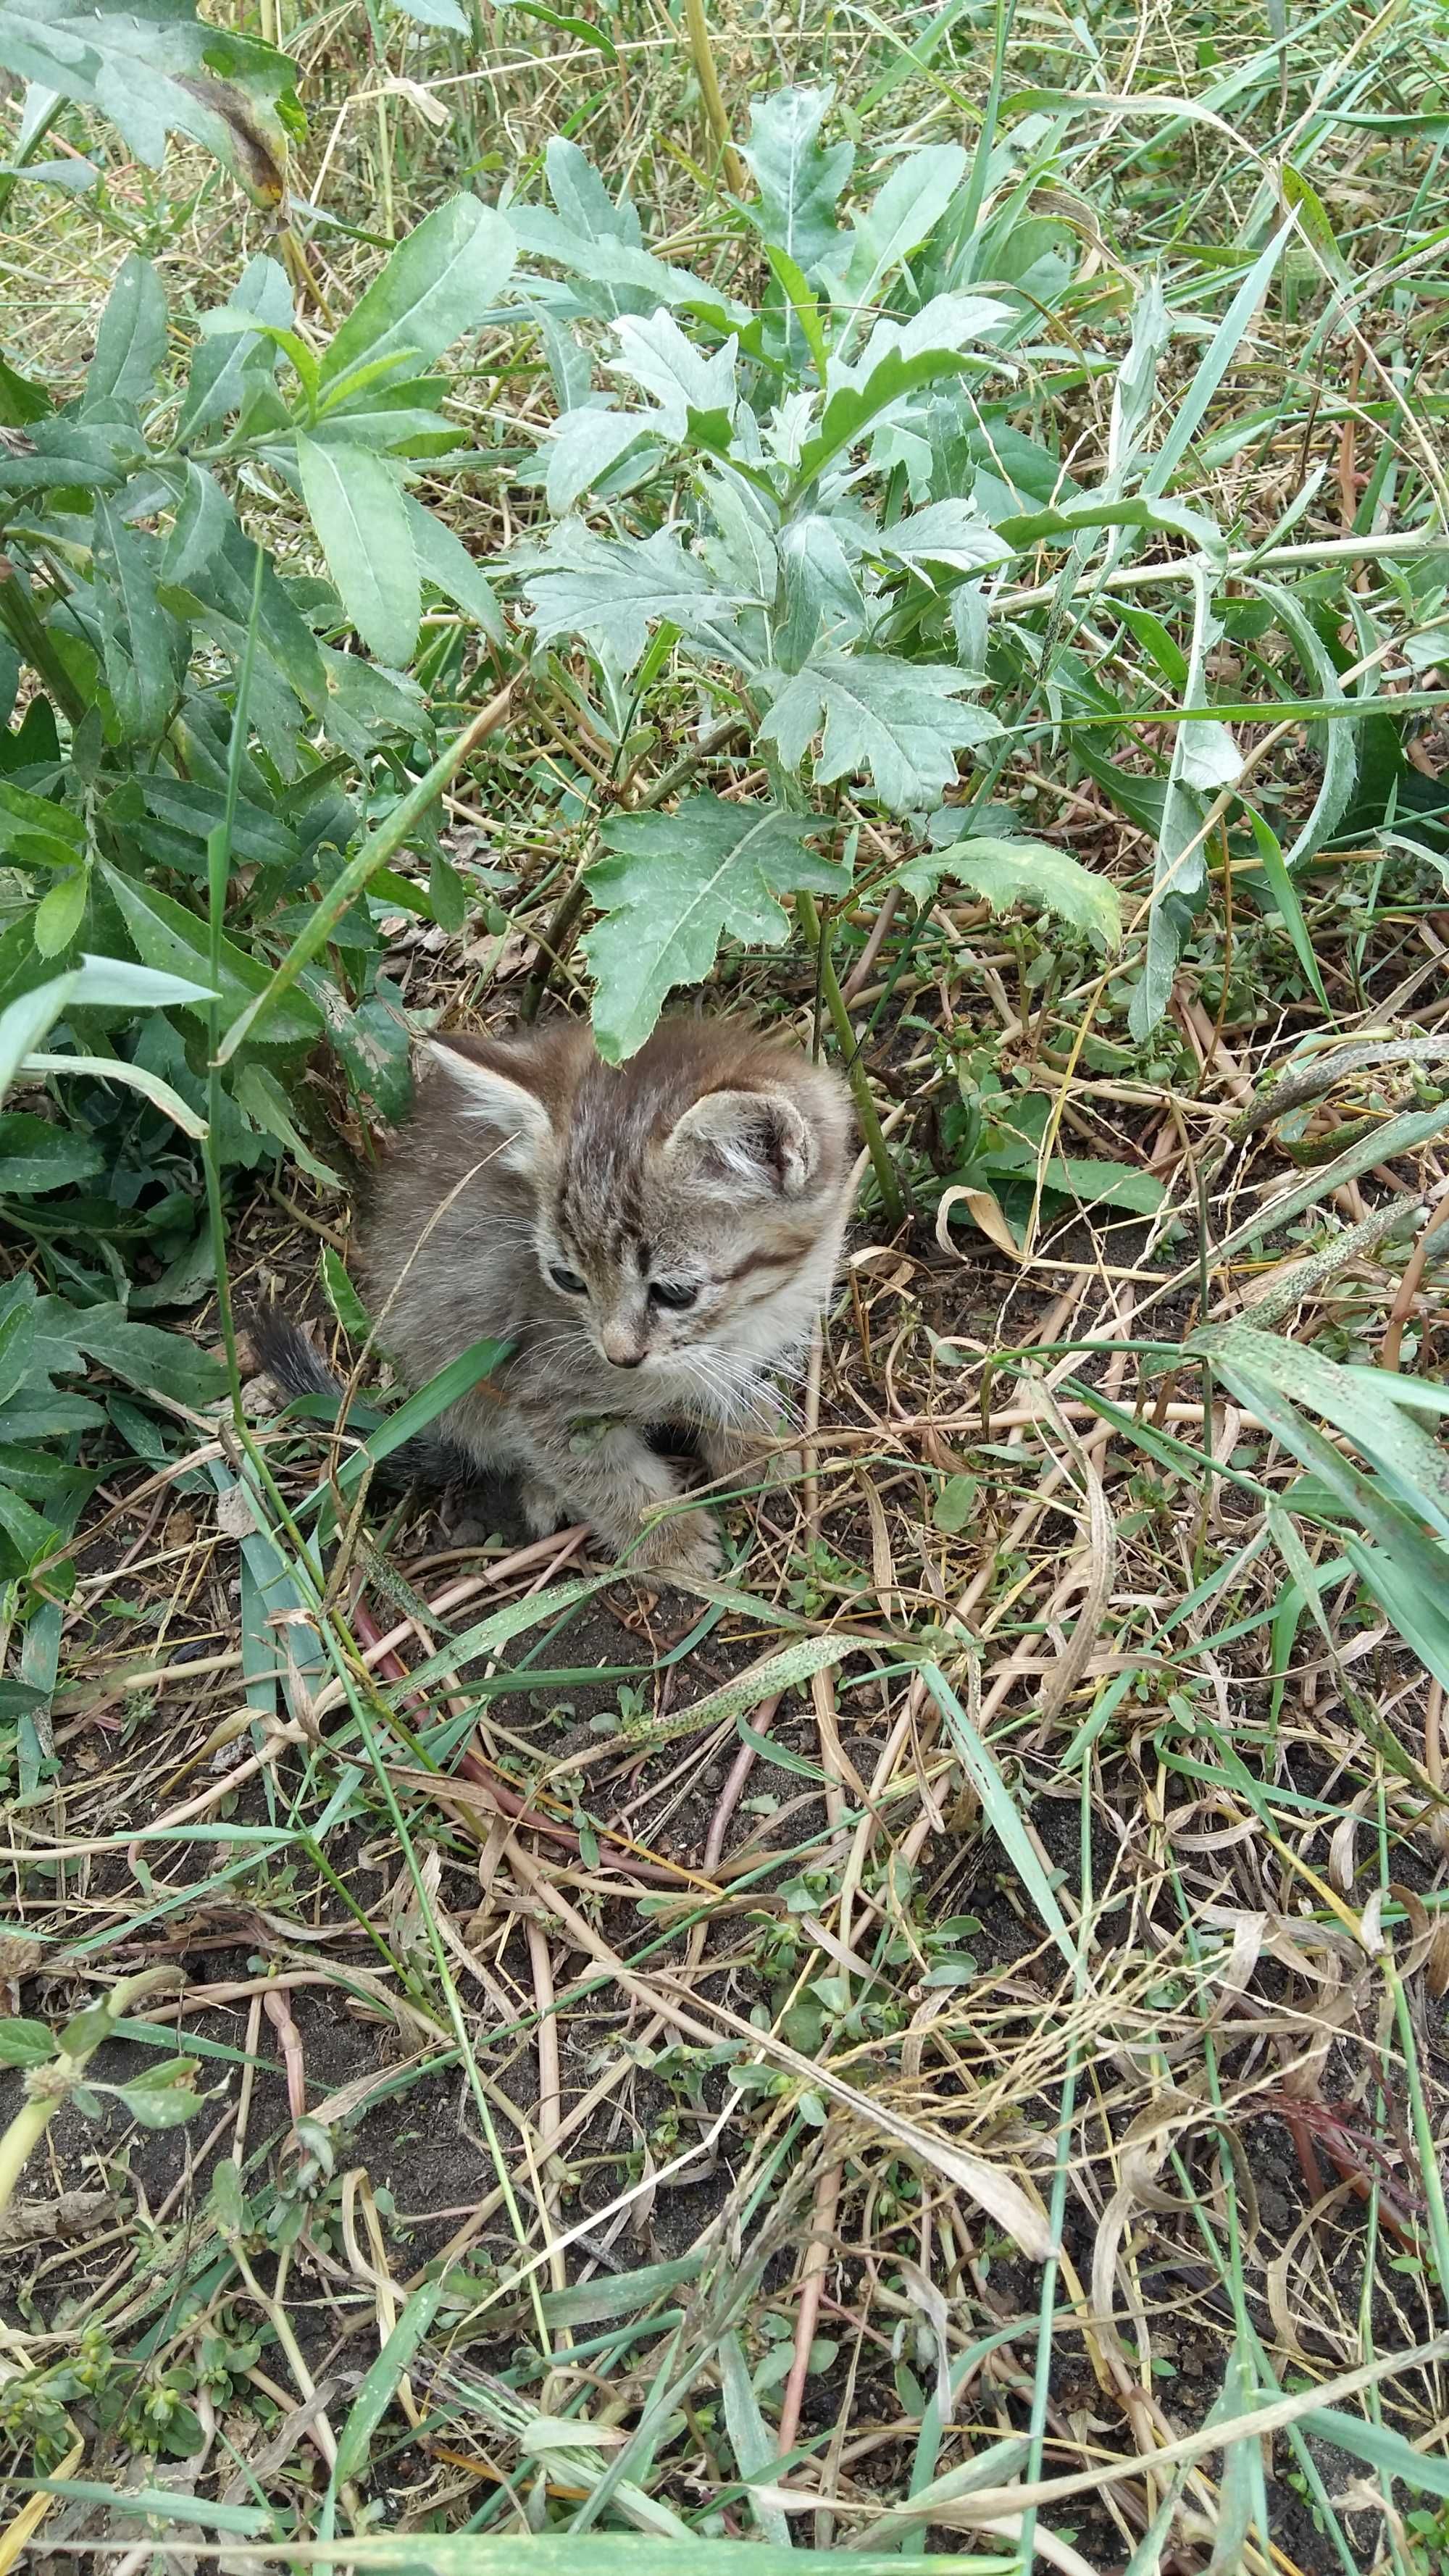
673 887
155 68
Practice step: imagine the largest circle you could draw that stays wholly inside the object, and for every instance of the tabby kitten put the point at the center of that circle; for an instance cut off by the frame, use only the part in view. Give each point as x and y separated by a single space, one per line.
652 1239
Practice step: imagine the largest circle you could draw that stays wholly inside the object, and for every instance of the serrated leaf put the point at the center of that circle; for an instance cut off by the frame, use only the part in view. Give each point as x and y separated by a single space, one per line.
861 399
356 506
611 590
155 68
655 354
131 342
907 208
672 887
439 279
899 722
799 181
820 588
950 534
444 560
584 446
1034 873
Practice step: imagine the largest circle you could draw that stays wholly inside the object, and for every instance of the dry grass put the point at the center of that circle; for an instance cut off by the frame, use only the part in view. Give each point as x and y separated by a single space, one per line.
1072 1898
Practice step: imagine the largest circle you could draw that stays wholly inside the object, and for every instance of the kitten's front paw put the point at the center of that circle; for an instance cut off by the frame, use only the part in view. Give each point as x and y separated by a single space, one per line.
686 1543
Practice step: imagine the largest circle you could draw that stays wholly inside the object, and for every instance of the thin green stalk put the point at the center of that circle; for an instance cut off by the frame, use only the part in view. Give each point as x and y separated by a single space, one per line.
376 851
887 1179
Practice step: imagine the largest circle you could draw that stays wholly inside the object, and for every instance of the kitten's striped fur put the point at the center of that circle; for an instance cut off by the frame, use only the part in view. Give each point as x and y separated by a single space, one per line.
654 1239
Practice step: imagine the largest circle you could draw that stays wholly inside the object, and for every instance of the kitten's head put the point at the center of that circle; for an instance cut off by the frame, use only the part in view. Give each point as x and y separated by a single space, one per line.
690 1201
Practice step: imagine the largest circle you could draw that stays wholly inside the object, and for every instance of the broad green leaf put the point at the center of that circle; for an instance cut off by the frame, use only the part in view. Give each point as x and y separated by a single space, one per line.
820 588
357 509
144 644
25 2043
585 445
900 722
147 1359
156 68
161 2098
583 201
36 1155
672 887
1035 873
655 354
904 211
342 1297
948 534
223 369
131 342
799 181
1035 527
61 913
444 560
611 590
35 831
24 1022
171 939
439 279
435 13
1359 1402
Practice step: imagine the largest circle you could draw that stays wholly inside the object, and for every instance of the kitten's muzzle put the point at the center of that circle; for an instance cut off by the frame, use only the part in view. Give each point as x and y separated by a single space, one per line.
621 1353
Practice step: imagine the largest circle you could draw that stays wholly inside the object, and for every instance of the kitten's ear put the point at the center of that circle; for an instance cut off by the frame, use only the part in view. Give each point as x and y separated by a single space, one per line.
496 1100
755 1141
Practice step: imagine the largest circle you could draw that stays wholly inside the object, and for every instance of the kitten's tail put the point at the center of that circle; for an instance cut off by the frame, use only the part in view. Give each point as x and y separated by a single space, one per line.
291 1359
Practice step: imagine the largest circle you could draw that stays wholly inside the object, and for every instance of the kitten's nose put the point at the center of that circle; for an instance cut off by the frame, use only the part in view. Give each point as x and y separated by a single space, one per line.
621 1351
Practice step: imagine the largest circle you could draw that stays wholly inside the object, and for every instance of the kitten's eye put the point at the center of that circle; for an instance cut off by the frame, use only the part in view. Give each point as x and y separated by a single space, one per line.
662 1293
570 1282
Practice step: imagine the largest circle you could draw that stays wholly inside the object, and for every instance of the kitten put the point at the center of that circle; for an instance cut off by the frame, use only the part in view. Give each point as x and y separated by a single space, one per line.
652 1239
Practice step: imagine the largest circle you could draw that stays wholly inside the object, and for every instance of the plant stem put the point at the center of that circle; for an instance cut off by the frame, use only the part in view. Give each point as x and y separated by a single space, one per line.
23 624
702 56
887 1178
376 850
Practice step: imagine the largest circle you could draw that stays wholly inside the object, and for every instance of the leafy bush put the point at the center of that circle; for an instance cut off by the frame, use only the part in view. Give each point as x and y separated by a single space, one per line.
814 528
